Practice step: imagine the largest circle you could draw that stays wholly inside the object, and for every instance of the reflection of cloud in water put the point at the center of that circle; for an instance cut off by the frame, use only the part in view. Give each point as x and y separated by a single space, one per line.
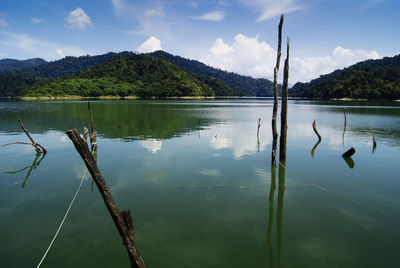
241 138
151 145
211 172
155 176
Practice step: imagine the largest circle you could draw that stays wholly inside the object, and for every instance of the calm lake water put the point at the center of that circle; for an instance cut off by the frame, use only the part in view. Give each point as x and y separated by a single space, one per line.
200 186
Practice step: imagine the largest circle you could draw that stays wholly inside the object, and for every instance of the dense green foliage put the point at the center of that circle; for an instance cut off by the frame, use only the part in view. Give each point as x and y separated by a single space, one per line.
12 84
371 79
240 84
68 66
140 75
11 65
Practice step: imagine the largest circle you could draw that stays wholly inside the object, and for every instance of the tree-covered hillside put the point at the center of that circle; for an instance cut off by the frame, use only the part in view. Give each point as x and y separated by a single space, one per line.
12 84
11 65
240 84
140 75
371 79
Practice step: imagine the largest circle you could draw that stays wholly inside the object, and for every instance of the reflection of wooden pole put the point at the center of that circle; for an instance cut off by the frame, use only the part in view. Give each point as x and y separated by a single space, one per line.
314 125
271 213
315 147
282 145
121 224
279 213
275 108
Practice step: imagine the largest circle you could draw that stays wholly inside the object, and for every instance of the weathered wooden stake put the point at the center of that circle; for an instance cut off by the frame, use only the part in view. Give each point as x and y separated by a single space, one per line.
349 152
275 108
93 141
345 123
314 125
122 225
282 145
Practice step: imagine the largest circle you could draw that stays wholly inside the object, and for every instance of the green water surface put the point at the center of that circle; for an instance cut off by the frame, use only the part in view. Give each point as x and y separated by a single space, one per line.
200 185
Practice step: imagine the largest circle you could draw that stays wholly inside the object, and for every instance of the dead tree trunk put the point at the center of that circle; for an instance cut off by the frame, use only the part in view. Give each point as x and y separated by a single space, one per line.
314 126
282 145
275 108
121 224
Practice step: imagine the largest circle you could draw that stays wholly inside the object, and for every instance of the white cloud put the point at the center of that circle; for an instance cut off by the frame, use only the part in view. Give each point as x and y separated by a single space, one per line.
3 21
305 69
37 21
224 3
246 56
151 145
212 16
23 46
60 52
150 45
78 19
271 8
249 56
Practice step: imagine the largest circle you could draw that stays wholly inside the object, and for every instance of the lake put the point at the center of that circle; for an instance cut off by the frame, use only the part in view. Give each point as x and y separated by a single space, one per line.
200 185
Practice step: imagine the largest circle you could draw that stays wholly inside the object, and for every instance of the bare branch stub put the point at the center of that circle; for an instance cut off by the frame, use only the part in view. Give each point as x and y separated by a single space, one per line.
127 238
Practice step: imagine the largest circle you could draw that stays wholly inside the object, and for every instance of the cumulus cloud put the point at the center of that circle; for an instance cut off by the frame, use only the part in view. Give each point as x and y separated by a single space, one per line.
150 45
3 20
78 20
212 16
305 69
271 8
37 21
28 46
249 56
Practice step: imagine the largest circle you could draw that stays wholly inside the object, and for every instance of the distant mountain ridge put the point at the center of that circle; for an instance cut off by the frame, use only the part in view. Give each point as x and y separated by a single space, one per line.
38 72
370 79
11 65
240 84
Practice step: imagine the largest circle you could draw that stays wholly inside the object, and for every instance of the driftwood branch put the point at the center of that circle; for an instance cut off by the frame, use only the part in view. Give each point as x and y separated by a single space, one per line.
314 126
93 140
127 238
282 145
275 108
345 123
38 148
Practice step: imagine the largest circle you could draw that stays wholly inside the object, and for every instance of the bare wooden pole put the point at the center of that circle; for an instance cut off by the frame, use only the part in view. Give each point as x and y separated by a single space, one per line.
282 145
126 235
93 140
314 125
275 107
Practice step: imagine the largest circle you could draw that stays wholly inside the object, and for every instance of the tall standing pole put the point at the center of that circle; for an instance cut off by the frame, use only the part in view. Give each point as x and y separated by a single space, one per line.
275 108
282 145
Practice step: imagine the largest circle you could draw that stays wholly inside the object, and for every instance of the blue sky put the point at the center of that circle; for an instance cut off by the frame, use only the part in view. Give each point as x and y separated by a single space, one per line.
235 35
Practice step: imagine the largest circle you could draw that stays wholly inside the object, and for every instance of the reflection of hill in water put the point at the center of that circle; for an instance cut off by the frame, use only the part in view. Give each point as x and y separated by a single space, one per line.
114 119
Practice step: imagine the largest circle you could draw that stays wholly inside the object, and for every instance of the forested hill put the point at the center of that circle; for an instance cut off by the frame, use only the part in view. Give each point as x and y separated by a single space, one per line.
240 84
371 79
128 75
11 65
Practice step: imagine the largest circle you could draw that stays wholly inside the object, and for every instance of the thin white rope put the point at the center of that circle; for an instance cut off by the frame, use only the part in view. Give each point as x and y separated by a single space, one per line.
63 220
